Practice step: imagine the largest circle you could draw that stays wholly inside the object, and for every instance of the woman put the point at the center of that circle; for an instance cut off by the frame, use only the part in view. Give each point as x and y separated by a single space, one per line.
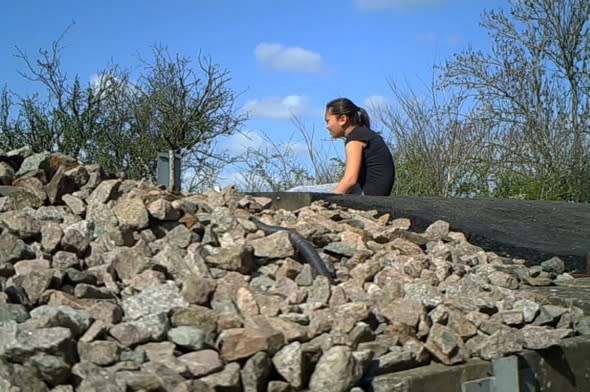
369 165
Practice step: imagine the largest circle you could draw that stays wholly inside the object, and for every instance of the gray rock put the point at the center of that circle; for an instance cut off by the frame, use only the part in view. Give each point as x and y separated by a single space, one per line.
103 218
76 205
13 312
538 338
12 248
108 312
163 210
52 369
554 264
255 372
290 363
77 321
77 237
501 343
398 358
17 198
202 362
190 338
162 298
227 380
84 290
63 260
26 343
446 345
236 257
429 296
152 326
20 223
6 174
130 333
528 308
58 186
583 325
16 377
100 352
138 380
38 161
35 283
336 371
156 351
132 213
103 192
273 246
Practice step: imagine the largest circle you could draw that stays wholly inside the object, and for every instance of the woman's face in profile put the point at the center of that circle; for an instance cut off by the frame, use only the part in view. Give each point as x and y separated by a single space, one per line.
334 124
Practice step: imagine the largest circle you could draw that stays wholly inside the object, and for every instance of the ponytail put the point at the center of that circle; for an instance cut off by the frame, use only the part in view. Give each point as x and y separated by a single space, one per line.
363 118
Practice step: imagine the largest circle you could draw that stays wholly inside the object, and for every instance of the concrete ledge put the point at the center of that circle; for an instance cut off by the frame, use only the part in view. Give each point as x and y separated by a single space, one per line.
431 378
563 368
532 230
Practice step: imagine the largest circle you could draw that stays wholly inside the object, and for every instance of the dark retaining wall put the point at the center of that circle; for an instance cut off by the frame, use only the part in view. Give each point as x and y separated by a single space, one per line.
532 230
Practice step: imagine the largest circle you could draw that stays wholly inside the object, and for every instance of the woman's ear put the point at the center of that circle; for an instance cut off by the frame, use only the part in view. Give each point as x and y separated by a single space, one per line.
343 120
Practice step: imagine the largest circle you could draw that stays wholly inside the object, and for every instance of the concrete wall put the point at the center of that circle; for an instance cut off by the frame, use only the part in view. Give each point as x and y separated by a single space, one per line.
564 368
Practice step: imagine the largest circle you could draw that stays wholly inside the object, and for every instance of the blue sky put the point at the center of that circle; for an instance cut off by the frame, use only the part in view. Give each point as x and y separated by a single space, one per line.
285 57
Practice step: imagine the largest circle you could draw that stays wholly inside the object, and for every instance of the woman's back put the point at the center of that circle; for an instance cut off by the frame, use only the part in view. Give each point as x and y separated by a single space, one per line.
377 173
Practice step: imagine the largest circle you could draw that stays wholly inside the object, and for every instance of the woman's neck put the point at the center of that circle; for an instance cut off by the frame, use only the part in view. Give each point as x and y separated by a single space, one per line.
349 129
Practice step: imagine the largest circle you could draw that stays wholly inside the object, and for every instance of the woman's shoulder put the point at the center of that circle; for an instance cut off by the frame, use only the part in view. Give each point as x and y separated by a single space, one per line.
361 133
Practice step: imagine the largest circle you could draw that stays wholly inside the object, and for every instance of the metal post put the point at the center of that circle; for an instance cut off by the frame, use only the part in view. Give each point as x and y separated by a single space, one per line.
171 171
168 171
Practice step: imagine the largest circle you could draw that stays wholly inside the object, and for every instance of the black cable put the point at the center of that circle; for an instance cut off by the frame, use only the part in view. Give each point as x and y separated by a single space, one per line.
303 246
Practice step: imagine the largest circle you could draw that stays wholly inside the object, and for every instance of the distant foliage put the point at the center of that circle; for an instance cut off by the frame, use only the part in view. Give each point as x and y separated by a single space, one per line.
533 88
511 123
175 104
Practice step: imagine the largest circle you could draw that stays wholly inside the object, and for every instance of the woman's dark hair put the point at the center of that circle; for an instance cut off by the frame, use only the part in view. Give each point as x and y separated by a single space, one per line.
356 114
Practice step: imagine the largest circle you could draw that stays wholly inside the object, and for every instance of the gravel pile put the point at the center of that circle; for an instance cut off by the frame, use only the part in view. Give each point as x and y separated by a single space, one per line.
117 285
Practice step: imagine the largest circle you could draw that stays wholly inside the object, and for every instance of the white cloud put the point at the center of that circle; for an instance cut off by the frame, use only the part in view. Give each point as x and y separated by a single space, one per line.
282 58
449 39
235 178
376 103
276 107
395 4
426 37
454 39
239 143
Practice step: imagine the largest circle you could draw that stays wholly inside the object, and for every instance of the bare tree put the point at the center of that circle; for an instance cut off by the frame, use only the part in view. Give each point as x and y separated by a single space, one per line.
534 87
184 109
325 167
120 124
277 167
63 118
438 149
272 167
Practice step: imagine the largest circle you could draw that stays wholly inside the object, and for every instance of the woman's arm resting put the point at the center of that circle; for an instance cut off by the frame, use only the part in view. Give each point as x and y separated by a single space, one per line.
354 157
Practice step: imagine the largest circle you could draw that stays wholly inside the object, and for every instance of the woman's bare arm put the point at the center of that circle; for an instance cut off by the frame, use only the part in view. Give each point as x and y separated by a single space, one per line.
354 157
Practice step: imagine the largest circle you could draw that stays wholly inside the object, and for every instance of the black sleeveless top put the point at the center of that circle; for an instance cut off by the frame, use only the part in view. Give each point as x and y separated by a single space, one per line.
377 168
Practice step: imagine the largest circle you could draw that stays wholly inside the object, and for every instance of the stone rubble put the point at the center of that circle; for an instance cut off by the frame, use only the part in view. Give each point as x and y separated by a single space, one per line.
117 285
